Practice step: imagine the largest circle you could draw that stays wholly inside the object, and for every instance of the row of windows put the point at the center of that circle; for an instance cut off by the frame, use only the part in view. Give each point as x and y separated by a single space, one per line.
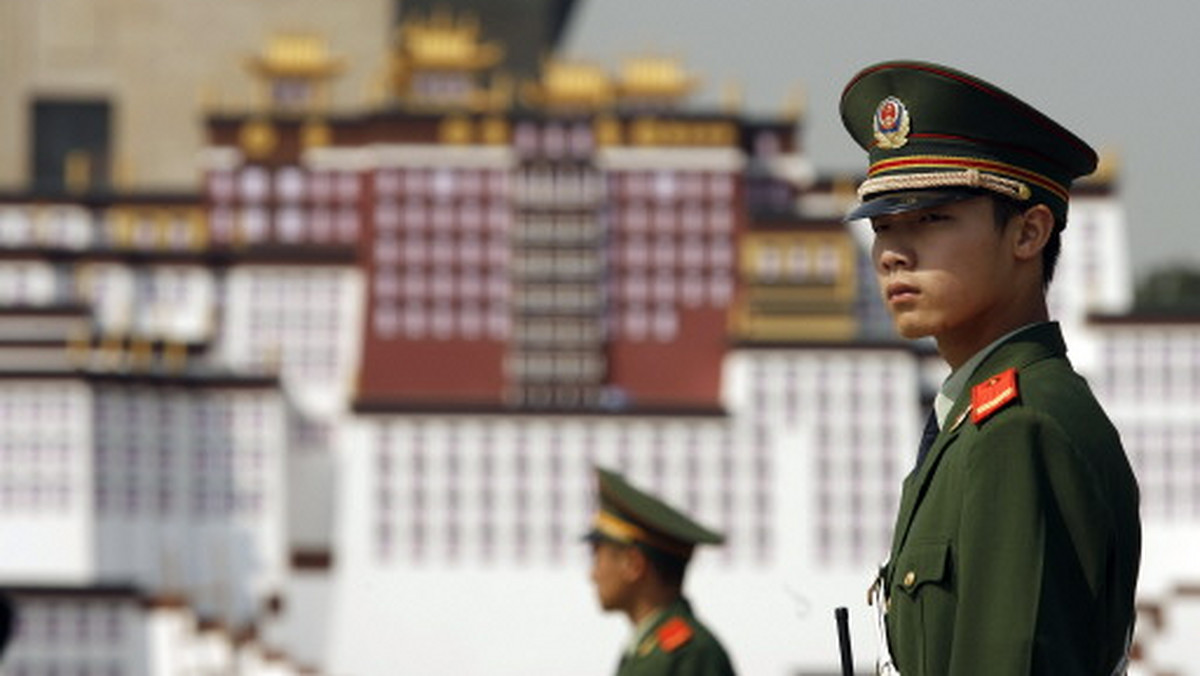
290 326
688 219
76 228
48 448
66 226
554 141
1155 367
32 411
1166 459
691 290
561 331
693 252
558 187
470 493
415 286
417 321
560 366
257 225
638 324
417 215
102 623
442 250
256 184
21 666
859 413
562 264
28 283
580 230
212 501
442 182
158 301
298 329
282 286
663 185
796 264
570 298
35 494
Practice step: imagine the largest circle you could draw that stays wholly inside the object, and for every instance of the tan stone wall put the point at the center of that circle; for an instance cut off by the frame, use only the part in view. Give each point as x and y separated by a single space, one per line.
153 59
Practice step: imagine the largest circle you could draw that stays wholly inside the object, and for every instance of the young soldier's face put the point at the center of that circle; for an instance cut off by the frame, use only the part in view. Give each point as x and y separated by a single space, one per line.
611 574
942 271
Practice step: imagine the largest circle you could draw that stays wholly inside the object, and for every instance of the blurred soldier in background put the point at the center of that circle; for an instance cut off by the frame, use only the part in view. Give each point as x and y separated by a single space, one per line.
640 551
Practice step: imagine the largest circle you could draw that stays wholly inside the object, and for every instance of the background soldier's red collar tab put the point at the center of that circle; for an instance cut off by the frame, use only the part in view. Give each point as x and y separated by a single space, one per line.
993 394
673 634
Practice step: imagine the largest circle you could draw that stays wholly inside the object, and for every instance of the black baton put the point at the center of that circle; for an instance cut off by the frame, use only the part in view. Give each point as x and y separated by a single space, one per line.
843 628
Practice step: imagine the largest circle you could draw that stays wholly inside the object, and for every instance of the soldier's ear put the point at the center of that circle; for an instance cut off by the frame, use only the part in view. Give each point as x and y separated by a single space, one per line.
635 565
1032 230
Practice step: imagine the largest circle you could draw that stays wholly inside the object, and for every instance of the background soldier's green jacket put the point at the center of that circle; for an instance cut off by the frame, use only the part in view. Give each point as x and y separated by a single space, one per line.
1017 541
677 645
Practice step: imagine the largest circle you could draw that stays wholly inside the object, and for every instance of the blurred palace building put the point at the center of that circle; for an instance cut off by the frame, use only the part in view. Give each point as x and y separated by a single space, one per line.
306 374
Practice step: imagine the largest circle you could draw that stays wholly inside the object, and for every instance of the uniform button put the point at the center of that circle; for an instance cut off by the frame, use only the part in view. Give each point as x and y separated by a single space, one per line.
910 578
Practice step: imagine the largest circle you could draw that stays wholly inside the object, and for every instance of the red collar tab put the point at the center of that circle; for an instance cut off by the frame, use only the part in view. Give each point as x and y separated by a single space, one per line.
673 634
992 394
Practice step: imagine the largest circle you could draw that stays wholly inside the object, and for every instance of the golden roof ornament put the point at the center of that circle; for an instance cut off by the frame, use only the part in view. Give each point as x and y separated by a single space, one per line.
443 43
571 84
296 56
655 77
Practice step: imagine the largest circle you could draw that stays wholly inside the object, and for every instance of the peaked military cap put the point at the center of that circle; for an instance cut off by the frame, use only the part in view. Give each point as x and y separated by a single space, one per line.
935 135
629 515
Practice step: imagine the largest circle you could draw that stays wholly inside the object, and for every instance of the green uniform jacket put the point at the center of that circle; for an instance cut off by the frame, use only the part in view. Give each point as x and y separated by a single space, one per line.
677 645
1018 539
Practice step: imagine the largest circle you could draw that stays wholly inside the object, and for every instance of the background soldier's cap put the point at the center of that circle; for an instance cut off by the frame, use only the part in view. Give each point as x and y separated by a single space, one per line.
934 135
629 515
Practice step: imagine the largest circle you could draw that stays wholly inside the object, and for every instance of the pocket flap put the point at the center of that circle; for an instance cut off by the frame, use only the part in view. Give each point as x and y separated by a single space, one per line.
922 563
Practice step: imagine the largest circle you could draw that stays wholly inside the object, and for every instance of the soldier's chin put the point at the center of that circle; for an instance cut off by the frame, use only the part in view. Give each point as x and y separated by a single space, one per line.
910 330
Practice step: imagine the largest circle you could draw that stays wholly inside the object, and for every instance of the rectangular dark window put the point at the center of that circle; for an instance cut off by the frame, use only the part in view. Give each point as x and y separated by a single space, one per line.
71 145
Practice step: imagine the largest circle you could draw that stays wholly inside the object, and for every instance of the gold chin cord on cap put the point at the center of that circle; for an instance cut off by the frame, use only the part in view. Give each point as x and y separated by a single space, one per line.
623 531
967 178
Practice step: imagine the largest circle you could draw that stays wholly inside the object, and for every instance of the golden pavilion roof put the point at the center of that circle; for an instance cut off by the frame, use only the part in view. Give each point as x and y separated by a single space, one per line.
442 42
656 77
566 83
296 55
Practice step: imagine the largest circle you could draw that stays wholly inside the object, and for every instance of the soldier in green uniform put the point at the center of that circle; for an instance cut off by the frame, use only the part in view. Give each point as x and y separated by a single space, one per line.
640 551
1017 543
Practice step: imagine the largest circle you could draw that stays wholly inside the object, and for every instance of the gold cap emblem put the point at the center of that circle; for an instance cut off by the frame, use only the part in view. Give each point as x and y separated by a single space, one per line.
891 123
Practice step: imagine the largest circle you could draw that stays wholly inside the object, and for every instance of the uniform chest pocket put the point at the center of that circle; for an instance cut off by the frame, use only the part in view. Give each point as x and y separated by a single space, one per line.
922 563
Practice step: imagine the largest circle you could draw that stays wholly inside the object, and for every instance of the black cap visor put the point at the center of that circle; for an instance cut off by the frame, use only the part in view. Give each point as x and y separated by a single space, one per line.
910 200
